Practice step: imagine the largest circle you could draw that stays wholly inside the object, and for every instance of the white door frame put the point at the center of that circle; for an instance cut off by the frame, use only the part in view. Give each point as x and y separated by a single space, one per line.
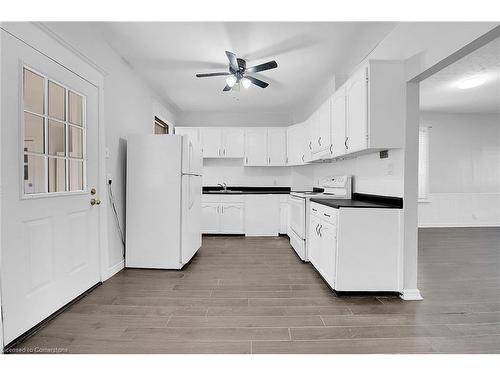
40 38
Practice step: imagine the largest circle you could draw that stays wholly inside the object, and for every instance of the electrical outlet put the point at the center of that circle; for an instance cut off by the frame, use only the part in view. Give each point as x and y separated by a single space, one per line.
390 169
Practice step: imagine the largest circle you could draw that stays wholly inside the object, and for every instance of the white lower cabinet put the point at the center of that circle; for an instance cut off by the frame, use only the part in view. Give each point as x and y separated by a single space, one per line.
284 214
223 214
252 214
232 218
210 217
322 241
356 249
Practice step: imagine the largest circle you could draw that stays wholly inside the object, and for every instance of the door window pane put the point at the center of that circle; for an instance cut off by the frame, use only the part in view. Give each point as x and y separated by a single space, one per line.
33 133
75 142
75 103
53 136
57 175
57 138
75 175
34 174
33 91
57 101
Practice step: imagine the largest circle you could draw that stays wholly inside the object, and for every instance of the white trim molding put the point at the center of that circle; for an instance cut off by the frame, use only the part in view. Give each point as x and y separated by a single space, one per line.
411 295
460 210
113 270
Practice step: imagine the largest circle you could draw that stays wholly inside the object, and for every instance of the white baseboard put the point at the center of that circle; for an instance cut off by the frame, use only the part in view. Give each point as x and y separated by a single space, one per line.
458 225
113 270
411 295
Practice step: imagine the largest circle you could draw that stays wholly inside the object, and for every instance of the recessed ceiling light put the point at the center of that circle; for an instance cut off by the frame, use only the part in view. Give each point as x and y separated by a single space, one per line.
470 82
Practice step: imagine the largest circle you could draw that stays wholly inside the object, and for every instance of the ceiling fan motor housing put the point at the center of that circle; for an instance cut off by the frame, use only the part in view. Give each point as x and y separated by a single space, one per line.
242 65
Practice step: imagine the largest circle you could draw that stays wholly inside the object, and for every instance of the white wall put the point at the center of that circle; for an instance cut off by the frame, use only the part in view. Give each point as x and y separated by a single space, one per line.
232 172
464 170
255 118
129 107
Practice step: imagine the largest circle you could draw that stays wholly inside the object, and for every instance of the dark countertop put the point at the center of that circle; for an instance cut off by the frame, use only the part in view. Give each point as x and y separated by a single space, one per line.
360 200
245 190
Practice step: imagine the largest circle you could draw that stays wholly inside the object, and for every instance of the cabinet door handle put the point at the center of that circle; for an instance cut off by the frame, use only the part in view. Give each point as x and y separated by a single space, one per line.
224 152
217 209
302 158
314 209
317 227
326 215
345 143
331 149
269 160
222 209
319 141
310 145
319 230
246 160
218 152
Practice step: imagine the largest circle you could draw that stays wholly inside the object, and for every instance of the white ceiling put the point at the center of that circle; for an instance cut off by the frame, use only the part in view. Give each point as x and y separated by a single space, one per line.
167 55
439 92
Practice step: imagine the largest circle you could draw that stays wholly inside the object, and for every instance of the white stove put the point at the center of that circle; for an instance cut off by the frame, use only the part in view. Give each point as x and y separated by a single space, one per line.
334 187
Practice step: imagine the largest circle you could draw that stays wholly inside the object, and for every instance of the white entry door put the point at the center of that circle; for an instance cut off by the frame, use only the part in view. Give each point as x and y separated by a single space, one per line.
49 146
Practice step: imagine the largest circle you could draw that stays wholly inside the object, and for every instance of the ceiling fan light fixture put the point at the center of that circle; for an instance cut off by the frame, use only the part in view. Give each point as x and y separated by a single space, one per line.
245 82
231 80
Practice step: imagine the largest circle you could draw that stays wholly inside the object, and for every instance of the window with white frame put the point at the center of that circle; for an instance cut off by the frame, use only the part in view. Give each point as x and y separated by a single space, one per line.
53 136
161 127
423 163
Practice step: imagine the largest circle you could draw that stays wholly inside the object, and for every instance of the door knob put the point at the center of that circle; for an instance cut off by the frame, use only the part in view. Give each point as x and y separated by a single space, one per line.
94 201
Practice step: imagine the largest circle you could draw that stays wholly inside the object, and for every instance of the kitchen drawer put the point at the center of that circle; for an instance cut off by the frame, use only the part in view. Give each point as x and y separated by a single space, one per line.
326 213
228 198
210 198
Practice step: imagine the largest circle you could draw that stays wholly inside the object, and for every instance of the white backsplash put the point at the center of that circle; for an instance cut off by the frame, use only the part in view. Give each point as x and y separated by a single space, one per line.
371 174
232 172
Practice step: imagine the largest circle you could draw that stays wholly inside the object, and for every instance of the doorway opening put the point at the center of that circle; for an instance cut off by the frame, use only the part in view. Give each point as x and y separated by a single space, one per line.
459 181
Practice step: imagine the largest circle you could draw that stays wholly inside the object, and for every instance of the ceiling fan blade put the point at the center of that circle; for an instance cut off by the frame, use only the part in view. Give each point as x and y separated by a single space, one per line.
261 67
257 82
200 75
227 88
232 61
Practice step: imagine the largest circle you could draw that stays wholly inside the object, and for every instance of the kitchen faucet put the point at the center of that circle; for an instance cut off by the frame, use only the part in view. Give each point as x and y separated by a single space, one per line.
223 186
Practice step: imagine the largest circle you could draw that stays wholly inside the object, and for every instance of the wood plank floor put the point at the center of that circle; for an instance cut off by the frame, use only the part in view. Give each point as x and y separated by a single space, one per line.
253 295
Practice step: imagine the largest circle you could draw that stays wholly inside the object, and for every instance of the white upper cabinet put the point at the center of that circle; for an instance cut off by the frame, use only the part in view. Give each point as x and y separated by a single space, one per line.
357 111
338 124
222 142
294 140
192 133
233 142
320 133
276 146
372 115
265 147
211 141
256 146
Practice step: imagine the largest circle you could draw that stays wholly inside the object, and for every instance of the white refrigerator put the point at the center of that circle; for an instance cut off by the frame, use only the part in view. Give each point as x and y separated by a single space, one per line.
163 204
